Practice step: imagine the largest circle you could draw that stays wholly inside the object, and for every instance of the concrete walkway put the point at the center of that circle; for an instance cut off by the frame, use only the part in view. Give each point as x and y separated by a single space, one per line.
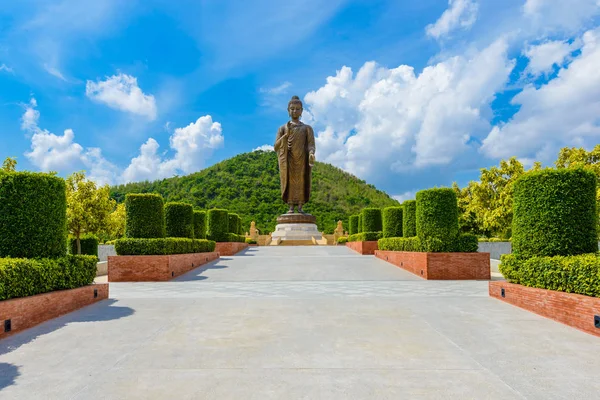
300 323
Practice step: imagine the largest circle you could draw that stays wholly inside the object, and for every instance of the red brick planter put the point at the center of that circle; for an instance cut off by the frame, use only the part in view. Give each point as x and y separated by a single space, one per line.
26 312
364 248
571 309
230 248
440 266
154 268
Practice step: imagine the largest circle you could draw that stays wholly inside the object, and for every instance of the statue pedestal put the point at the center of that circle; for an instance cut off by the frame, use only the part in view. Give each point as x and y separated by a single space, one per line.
296 229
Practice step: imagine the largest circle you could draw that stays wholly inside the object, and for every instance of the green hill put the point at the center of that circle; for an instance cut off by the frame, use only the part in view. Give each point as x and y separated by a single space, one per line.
248 184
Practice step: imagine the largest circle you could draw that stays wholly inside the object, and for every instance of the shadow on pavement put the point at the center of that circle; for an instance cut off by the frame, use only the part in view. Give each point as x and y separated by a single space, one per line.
8 374
196 274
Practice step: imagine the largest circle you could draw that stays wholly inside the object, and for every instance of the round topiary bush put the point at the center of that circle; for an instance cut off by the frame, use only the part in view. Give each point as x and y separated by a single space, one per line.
200 224
234 223
437 214
217 225
372 220
144 216
33 215
179 220
89 245
392 222
353 225
409 218
554 213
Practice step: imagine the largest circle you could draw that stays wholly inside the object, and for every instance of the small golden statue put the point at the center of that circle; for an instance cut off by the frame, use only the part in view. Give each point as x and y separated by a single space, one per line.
295 148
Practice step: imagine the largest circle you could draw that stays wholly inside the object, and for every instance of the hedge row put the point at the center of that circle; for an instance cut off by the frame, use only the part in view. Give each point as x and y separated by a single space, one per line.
179 220
365 237
144 216
353 225
342 240
371 220
465 243
200 224
572 274
233 237
21 277
88 243
392 222
162 246
409 218
33 215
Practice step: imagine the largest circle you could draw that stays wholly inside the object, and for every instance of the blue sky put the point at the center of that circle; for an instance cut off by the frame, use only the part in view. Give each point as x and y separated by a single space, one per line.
406 95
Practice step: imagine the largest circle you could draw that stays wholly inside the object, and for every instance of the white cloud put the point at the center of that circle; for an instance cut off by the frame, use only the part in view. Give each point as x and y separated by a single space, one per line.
410 195
567 15
281 89
563 112
122 92
54 72
461 14
386 120
6 68
544 56
192 145
264 147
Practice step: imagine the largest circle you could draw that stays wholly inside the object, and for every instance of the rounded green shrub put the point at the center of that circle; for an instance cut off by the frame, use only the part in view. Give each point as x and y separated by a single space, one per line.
409 218
372 220
179 220
555 213
437 214
217 225
33 215
200 224
392 222
353 225
234 223
89 245
144 216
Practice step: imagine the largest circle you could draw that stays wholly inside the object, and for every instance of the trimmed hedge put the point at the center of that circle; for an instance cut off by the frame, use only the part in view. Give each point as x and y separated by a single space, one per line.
217 225
162 246
399 244
234 237
409 218
555 213
392 222
466 243
22 277
342 240
437 214
200 224
179 220
360 223
371 220
250 241
144 216
365 237
33 215
353 225
89 245
572 274
235 223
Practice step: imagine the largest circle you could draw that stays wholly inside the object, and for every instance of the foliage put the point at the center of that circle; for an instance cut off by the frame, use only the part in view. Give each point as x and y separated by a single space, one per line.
179 220
116 222
250 241
468 220
365 237
392 222
9 164
88 207
234 237
248 185
88 243
217 225
353 224
464 243
409 218
372 219
572 274
33 212
399 244
200 224
437 214
555 213
360 223
162 246
145 216
342 240
21 277
235 224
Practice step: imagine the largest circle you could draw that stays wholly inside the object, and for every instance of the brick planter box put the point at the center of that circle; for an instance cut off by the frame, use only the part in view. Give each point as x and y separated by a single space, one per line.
440 266
230 248
154 268
575 310
364 248
26 312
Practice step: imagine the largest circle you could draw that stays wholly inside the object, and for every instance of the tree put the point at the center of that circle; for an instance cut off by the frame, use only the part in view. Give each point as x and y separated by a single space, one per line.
9 164
88 207
116 222
468 220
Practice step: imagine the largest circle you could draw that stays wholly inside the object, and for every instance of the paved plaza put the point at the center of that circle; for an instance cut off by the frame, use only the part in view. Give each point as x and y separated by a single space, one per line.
300 323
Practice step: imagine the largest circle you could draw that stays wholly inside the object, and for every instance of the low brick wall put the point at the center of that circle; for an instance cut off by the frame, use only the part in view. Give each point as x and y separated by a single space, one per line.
230 248
440 266
155 268
571 309
26 312
364 248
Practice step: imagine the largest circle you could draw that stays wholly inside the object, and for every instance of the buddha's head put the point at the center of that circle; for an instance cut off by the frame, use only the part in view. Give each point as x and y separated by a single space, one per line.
295 107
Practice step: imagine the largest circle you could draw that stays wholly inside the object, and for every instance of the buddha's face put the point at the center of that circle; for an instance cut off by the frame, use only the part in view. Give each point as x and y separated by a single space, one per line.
295 110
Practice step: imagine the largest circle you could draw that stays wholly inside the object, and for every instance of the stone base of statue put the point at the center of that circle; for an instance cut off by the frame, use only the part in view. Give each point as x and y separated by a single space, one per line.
296 229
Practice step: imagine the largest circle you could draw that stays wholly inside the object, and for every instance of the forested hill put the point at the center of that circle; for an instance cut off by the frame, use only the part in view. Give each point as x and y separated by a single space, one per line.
248 184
